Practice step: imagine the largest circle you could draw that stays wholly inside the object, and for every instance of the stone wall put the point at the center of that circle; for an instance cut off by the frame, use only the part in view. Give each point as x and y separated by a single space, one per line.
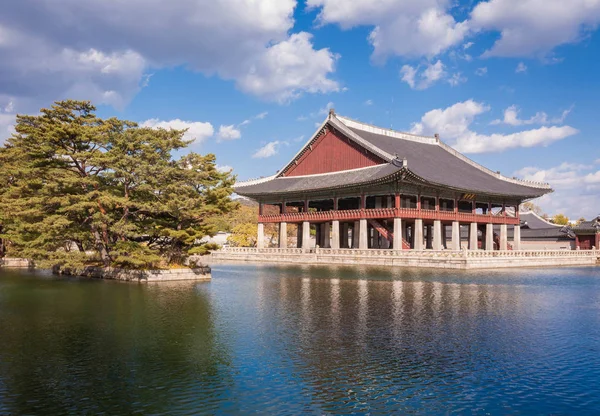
199 273
445 259
15 263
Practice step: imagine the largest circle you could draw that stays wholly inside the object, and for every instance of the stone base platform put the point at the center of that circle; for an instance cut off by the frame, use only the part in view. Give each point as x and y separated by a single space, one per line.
445 259
202 273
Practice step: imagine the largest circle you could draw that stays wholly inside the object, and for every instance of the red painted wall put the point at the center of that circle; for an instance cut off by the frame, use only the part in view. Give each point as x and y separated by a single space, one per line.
333 152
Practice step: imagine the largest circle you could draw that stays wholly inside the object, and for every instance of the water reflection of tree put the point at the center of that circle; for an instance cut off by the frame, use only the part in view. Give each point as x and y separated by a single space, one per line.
78 347
373 345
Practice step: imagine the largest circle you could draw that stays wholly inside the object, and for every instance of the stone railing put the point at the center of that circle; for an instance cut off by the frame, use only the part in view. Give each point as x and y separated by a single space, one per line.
254 250
421 253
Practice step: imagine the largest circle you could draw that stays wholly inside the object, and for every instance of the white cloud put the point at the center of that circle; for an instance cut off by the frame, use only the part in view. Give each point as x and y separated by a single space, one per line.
323 111
416 80
408 74
224 168
196 130
289 68
260 116
405 28
543 136
106 52
454 123
369 102
228 133
576 187
268 150
456 79
533 27
467 45
521 67
481 71
7 122
511 117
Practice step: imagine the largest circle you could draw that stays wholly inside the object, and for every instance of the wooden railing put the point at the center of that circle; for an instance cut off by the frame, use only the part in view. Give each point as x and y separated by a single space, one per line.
388 213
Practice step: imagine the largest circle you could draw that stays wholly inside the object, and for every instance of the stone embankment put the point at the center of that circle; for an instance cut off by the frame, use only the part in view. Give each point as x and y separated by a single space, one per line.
199 272
167 275
15 263
444 259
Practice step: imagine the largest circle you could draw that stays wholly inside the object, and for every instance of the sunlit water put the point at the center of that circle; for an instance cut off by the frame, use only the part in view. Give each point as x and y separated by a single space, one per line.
289 340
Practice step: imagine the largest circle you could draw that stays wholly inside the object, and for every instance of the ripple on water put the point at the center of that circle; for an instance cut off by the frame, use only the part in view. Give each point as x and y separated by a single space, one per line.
298 339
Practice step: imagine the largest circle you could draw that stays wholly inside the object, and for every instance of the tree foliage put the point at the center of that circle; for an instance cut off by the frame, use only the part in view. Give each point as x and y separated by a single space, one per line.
560 219
72 183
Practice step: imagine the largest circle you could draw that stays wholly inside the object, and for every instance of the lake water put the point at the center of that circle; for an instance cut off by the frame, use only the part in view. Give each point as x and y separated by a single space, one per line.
317 340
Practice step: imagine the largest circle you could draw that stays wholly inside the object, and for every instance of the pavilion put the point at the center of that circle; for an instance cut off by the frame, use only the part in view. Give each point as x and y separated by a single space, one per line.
363 187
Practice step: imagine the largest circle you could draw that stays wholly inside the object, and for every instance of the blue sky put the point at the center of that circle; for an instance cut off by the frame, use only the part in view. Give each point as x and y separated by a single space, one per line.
511 83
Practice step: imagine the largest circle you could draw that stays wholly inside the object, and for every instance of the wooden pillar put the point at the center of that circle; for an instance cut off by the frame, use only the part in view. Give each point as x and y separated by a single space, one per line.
260 238
282 235
474 207
356 234
299 236
335 204
397 202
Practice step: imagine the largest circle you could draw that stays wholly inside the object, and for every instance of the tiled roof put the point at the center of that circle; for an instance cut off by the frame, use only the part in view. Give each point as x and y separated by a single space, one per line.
321 181
426 157
593 225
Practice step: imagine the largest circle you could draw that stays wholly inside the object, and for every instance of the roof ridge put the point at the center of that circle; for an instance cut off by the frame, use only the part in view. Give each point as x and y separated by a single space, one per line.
436 141
386 132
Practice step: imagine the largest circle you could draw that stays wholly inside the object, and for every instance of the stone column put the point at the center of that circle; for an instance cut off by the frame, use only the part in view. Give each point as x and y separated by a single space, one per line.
283 235
306 235
385 243
503 237
327 235
344 236
437 235
473 236
356 234
397 244
429 238
362 235
455 236
260 238
489 237
517 238
418 232
335 234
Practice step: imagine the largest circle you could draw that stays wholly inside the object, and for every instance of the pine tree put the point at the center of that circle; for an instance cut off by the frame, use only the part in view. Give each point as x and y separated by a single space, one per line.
77 189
